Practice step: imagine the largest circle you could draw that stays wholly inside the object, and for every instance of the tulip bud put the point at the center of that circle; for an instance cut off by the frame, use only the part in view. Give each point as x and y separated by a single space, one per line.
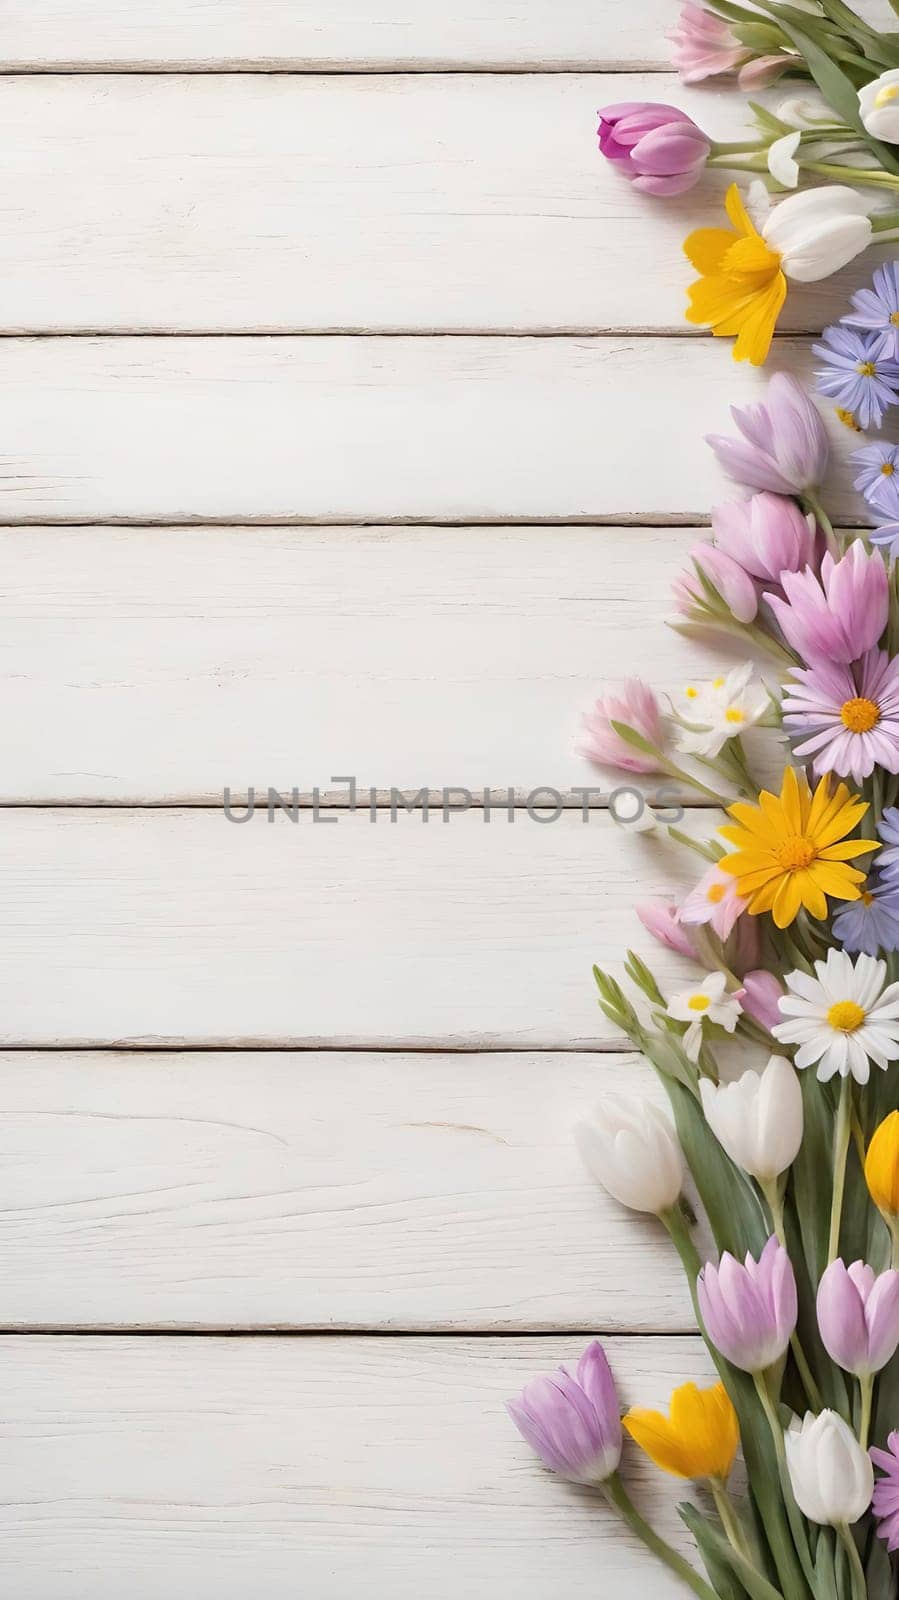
858 1315
658 147
757 1119
878 104
831 1475
572 1419
818 231
699 1437
766 535
759 998
882 1166
735 587
661 920
749 1311
630 1148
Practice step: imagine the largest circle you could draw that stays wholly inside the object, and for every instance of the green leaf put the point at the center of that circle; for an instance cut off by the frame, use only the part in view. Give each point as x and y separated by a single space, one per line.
873 44
730 1572
838 90
767 121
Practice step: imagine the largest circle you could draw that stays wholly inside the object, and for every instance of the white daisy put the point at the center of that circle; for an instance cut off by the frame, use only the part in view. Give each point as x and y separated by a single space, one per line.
711 713
844 1018
705 1002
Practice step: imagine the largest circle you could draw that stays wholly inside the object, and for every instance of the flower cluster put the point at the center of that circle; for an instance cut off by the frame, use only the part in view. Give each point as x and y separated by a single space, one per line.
775 1038
746 268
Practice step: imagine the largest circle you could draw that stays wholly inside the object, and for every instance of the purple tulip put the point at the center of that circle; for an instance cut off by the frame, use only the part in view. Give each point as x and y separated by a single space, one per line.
766 535
659 148
840 616
750 1311
858 1315
784 446
759 998
572 1419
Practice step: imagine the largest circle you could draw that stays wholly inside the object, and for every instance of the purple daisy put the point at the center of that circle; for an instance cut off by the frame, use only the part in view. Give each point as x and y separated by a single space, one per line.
887 538
847 716
870 924
863 384
885 1503
888 833
878 479
876 310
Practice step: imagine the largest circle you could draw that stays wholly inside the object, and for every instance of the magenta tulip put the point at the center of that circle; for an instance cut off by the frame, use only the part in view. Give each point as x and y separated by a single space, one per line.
659 148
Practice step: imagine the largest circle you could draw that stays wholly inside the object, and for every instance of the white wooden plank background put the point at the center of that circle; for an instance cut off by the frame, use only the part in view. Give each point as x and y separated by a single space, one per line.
287 204
163 665
145 926
319 1189
321 1467
354 429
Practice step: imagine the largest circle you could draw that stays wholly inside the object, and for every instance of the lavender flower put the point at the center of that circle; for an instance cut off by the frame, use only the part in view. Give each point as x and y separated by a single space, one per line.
876 310
572 1419
784 446
870 925
863 384
888 833
847 716
886 1492
840 616
877 480
858 1316
750 1311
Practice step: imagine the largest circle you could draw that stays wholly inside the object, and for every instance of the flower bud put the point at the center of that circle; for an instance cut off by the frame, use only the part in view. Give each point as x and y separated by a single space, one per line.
659 148
759 998
635 706
757 1119
749 1311
878 104
882 1166
572 1419
831 1475
858 1316
660 918
735 587
766 535
630 1148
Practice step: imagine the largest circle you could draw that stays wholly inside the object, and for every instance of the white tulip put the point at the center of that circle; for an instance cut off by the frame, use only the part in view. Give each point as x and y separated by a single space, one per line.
832 1476
878 103
818 231
630 1147
757 1119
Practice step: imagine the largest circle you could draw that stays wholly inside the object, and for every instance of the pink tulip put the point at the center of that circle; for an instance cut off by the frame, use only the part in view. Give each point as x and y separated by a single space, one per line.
858 1316
636 707
840 616
735 587
759 998
766 535
661 919
762 71
659 148
703 45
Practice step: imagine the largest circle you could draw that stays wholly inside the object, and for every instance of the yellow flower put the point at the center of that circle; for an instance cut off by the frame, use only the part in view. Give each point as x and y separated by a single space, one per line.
742 287
698 1440
882 1165
792 850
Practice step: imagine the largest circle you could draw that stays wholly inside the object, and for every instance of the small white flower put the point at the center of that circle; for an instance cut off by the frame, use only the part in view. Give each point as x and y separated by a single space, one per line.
843 1019
831 1475
878 103
707 1001
818 231
805 111
630 1148
711 713
630 812
758 1118
782 164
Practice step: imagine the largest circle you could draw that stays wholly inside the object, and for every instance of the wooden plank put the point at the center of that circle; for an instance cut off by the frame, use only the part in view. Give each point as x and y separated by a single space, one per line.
210 1469
235 1191
355 429
416 35
163 666
152 927
249 203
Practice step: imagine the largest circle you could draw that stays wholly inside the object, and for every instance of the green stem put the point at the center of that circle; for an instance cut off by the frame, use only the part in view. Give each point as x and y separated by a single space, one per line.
793 1516
868 175
811 503
738 148
617 1496
704 850
866 1390
884 221
730 1521
840 1152
859 1583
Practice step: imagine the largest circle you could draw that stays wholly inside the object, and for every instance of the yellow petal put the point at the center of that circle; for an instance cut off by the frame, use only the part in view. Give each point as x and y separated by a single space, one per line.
882 1165
706 248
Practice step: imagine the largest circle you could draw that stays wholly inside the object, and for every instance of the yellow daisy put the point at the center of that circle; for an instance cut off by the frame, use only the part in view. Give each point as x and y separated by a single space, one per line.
742 287
792 851
698 1440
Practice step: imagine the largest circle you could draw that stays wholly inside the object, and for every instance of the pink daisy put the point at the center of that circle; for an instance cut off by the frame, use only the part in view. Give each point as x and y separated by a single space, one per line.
850 714
713 900
886 1492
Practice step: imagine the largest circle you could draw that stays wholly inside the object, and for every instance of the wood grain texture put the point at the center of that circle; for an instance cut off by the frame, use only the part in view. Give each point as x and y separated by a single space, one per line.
163 665
417 35
310 1466
355 429
284 204
154 927
320 1190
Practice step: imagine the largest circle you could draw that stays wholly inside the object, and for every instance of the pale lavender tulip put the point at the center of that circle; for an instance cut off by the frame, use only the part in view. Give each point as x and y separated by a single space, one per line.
839 616
858 1315
766 535
662 921
784 446
572 1419
659 148
704 45
735 586
759 998
635 706
762 71
749 1311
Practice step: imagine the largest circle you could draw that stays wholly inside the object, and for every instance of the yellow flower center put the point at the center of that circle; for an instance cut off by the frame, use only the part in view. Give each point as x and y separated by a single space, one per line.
796 853
715 893
894 318
717 683
867 897
847 418
690 692
699 1002
734 714
886 95
859 715
888 469
845 1016
867 369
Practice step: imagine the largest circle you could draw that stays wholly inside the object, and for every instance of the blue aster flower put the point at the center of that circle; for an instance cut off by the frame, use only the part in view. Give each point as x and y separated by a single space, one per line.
878 479
870 924
888 833
863 384
876 311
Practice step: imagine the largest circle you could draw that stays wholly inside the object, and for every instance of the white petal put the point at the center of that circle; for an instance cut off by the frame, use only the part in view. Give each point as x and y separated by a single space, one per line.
781 162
